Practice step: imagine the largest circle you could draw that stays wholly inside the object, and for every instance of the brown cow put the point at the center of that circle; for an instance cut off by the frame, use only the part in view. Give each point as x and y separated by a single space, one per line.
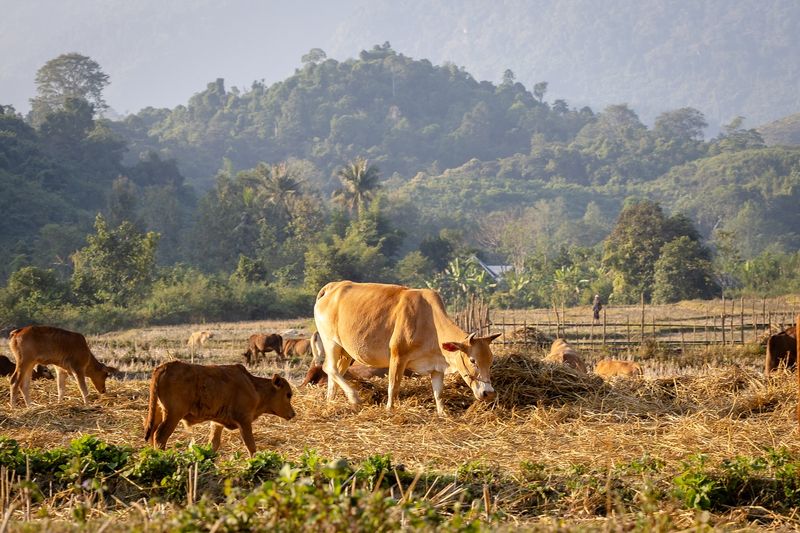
7 367
227 395
614 367
397 327
296 347
781 349
316 374
66 350
259 344
561 352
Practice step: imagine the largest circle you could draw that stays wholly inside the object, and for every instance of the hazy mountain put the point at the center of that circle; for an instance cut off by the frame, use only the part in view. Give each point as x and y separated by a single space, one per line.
782 132
723 57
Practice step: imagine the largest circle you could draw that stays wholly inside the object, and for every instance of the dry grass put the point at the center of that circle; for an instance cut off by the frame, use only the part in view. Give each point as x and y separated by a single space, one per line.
545 413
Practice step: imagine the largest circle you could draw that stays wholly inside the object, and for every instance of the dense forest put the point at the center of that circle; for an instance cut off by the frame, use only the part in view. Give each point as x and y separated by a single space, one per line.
243 202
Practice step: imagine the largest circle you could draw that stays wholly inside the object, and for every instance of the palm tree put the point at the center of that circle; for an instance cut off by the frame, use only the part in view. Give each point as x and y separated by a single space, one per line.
276 185
359 183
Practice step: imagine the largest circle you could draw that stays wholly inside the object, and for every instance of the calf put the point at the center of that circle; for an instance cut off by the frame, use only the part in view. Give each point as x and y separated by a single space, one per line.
7 367
317 376
199 338
561 352
781 349
613 367
296 347
66 350
227 395
259 344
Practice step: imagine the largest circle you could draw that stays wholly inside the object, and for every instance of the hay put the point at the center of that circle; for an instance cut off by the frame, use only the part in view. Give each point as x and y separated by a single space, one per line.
529 335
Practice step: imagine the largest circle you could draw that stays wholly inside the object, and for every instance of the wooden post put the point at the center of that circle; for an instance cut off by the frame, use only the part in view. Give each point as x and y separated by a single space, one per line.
683 347
714 327
741 320
628 329
642 338
604 327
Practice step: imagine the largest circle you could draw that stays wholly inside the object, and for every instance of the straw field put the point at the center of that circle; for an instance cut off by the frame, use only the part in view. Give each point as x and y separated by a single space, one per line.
711 445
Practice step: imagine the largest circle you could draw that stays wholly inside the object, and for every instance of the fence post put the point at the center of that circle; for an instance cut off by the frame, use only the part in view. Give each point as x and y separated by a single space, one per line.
628 328
741 320
642 339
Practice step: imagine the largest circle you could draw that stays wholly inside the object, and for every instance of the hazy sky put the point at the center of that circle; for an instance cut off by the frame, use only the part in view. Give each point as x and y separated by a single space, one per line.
159 53
723 57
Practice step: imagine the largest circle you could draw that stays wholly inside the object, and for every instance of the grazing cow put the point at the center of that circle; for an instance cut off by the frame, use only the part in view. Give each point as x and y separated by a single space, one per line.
781 349
227 395
199 338
316 374
614 367
296 347
396 327
7 367
561 352
259 344
66 350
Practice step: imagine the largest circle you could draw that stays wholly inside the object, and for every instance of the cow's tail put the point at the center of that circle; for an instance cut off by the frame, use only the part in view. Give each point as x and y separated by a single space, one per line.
770 362
13 345
325 289
152 406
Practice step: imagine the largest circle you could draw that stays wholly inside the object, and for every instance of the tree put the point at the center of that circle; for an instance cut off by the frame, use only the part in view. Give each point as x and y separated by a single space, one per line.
68 76
315 55
686 123
683 271
117 265
359 182
540 89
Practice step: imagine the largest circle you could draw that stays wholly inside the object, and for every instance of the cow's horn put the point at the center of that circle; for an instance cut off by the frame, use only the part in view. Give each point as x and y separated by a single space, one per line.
470 337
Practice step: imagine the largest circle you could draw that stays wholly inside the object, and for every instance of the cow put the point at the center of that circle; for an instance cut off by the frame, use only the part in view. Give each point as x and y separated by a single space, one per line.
614 367
199 338
316 374
259 344
227 395
7 367
781 349
317 350
561 352
66 350
396 327
296 347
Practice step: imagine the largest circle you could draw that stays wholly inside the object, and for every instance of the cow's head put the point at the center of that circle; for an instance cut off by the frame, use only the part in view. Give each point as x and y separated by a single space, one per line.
279 400
475 363
100 375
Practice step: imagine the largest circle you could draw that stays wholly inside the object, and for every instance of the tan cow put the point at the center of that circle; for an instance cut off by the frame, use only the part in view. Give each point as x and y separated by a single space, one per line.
199 338
66 350
614 367
561 352
227 395
296 347
397 327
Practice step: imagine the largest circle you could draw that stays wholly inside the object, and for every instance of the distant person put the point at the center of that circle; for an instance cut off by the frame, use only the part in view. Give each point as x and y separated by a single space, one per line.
596 307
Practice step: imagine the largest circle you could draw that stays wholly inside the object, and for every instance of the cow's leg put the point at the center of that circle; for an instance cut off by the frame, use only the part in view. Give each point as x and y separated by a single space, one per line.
397 366
246 430
437 382
216 435
21 382
334 359
61 381
158 418
165 429
81 379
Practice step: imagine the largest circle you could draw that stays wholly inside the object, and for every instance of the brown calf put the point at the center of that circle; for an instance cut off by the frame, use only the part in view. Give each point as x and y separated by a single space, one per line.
781 349
228 395
66 350
562 352
296 347
7 367
259 344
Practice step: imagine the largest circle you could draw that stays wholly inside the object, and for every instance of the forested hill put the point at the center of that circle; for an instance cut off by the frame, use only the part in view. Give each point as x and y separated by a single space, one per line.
404 115
723 57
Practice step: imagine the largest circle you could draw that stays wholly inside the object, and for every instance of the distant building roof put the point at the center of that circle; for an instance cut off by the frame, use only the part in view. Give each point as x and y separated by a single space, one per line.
496 271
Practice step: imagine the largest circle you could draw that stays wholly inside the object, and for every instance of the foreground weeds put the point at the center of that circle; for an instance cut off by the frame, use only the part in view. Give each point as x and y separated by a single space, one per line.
89 483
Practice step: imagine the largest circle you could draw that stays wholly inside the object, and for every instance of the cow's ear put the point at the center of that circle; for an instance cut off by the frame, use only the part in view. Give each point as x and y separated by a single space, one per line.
277 380
452 346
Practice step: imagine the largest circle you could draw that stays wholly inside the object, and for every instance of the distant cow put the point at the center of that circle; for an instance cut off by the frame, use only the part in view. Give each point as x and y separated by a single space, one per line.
561 352
7 367
316 374
296 347
781 349
67 350
199 338
227 395
614 367
259 344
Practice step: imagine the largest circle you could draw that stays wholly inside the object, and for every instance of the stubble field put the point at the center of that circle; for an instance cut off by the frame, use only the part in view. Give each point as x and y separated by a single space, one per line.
715 445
